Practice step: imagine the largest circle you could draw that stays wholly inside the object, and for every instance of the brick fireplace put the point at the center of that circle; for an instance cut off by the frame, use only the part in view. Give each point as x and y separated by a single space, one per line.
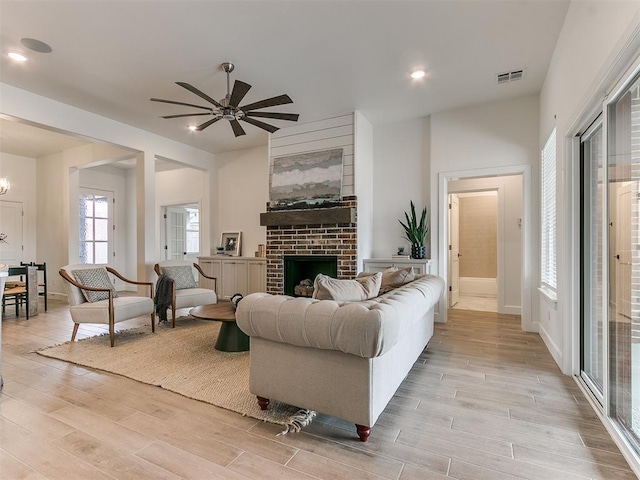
330 231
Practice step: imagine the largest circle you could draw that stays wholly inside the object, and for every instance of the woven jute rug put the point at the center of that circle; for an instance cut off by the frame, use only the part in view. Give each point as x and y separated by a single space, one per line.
181 360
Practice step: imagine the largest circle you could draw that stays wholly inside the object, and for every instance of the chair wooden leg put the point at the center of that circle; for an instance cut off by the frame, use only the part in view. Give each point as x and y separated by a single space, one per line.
173 316
75 331
112 334
153 322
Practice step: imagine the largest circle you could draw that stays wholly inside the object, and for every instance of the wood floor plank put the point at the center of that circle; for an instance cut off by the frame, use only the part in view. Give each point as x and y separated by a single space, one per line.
108 431
12 468
180 437
33 420
111 461
52 461
258 468
184 464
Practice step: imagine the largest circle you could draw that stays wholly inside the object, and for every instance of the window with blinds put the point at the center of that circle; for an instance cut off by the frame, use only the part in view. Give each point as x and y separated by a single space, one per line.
548 213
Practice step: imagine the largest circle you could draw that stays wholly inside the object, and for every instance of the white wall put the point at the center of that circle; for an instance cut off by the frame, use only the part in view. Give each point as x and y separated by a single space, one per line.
499 137
401 174
597 41
363 186
21 173
179 187
241 195
51 219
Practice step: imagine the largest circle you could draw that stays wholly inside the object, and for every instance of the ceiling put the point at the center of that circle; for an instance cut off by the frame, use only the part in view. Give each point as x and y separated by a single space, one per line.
332 57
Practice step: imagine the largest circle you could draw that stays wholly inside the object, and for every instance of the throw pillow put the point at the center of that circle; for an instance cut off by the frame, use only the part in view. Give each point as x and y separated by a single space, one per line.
96 278
327 288
182 276
393 277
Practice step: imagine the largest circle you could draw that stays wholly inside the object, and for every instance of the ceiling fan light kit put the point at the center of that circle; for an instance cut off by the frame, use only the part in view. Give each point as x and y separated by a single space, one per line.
229 107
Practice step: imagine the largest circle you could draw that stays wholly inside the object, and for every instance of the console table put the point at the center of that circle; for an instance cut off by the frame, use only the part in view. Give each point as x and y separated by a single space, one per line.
420 266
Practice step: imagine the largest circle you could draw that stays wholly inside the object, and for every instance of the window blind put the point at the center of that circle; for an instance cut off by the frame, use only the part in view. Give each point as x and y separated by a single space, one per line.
548 213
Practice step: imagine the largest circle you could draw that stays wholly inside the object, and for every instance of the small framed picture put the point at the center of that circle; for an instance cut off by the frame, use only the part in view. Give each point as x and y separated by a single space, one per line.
230 242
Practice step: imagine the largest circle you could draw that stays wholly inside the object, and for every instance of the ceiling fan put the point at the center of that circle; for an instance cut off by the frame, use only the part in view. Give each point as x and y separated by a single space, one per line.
229 107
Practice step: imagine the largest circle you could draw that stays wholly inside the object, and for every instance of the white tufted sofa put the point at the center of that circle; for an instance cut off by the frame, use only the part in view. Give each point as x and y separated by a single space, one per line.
343 359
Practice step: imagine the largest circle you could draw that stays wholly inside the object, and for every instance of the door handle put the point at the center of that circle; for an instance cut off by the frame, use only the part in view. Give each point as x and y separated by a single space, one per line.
617 257
459 255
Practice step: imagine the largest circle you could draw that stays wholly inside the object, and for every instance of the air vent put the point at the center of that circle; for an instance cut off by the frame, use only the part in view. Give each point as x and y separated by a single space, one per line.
507 77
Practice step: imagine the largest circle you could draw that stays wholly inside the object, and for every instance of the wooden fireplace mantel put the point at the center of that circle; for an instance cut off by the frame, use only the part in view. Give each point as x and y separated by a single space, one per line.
308 217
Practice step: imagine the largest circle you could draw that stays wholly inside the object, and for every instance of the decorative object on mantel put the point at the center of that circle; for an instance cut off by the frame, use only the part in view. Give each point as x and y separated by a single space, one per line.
220 250
230 242
416 232
306 180
4 186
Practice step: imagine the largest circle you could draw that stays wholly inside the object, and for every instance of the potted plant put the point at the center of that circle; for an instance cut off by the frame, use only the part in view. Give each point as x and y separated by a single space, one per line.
416 231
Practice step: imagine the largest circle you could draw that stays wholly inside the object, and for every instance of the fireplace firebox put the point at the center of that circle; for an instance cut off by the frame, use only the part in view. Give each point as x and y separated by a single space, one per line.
298 268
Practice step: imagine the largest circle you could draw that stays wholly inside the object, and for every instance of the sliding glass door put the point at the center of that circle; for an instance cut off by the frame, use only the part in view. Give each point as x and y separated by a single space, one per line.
623 160
591 252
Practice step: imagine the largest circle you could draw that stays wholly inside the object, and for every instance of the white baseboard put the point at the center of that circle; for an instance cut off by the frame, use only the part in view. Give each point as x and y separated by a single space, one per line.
511 310
479 287
554 350
57 296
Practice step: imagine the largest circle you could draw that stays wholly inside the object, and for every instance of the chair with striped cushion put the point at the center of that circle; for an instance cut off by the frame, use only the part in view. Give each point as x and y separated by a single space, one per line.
185 290
94 299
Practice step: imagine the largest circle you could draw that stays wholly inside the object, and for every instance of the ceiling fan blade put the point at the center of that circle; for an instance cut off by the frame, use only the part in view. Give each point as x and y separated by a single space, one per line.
240 89
199 128
259 124
269 102
292 117
193 89
185 115
237 128
180 103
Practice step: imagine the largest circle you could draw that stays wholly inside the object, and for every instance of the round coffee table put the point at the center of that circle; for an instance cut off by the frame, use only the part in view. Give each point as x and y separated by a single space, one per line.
230 338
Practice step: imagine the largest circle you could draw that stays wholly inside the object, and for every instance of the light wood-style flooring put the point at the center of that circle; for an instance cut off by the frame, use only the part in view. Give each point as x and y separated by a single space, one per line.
484 402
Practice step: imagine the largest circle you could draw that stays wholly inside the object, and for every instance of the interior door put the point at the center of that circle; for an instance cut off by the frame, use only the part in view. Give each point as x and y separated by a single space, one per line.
623 248
10 232
175 220
454 250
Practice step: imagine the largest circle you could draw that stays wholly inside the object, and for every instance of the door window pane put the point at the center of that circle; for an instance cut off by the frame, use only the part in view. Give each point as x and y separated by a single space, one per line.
592 225
624 265
94 228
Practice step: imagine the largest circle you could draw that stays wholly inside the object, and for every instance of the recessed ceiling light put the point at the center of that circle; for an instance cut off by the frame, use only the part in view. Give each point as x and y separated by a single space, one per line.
193 127
18 57
416 74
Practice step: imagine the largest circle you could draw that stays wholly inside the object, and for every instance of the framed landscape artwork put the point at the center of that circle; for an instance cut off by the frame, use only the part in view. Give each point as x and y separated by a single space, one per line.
306 180
230 242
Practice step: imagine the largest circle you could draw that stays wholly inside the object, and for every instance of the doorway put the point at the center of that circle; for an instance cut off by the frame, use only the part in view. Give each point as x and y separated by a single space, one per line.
512 185
473 250
181 232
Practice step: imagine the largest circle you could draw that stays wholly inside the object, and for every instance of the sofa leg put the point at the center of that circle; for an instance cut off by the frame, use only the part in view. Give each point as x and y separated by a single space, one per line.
363 432
263 402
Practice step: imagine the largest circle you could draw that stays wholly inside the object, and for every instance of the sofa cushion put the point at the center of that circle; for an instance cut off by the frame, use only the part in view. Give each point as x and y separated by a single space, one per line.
182 276
392 277
96 278
358 290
